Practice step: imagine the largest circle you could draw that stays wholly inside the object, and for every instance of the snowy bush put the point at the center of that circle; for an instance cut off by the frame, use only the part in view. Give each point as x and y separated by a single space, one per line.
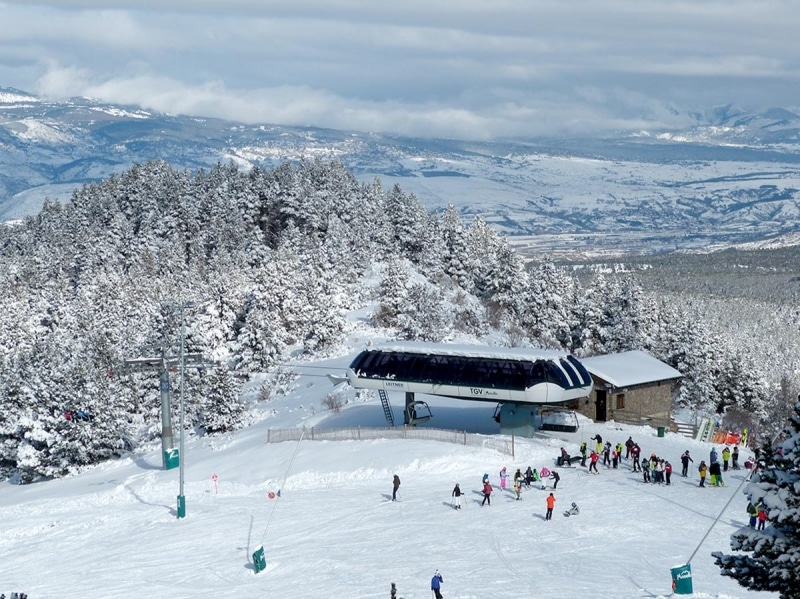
333 402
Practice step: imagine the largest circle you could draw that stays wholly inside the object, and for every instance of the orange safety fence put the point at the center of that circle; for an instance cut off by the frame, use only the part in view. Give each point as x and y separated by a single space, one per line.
726 438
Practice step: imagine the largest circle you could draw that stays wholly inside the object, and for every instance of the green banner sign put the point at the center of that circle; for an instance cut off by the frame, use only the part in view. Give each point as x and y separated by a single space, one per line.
682 580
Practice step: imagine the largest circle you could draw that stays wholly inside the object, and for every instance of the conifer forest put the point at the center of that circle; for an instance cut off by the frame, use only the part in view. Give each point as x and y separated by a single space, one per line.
268 264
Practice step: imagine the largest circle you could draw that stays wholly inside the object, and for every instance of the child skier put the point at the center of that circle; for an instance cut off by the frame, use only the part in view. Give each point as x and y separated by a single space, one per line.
457 494
503 477
487 492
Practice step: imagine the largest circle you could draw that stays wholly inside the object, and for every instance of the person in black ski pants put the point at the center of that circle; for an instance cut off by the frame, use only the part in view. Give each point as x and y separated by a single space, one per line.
685 459
487 493
436 584
395 486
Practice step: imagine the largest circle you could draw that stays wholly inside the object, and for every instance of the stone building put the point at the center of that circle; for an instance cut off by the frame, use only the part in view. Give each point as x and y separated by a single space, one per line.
631 387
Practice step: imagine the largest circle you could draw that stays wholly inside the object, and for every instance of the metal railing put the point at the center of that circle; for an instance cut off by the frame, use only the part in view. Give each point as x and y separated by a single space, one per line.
505 446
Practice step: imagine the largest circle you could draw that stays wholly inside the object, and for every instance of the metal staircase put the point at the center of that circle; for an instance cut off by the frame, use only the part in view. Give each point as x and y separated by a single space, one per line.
706 430
387 409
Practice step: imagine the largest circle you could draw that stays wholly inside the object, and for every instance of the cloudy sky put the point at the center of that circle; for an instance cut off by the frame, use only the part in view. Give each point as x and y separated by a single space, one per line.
475 69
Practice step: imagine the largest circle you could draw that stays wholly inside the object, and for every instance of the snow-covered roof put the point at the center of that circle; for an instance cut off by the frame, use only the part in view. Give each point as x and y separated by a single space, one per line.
629 368
480 351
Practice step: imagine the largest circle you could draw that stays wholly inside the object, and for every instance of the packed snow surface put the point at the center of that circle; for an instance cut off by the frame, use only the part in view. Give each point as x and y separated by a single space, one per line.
330 529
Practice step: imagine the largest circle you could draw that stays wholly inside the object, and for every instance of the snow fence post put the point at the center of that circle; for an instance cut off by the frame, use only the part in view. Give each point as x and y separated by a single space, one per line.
259 561
682 580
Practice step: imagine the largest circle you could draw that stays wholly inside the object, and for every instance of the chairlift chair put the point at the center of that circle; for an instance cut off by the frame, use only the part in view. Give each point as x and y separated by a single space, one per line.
418 412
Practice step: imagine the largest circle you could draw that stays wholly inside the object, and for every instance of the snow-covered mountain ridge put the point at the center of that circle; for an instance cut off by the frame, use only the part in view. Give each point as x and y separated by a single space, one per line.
733 178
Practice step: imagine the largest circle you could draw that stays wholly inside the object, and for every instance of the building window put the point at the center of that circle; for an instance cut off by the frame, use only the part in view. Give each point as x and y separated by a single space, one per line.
620 401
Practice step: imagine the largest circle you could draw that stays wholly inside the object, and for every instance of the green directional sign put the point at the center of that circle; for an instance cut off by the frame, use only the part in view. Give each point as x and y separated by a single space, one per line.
171 459
259 561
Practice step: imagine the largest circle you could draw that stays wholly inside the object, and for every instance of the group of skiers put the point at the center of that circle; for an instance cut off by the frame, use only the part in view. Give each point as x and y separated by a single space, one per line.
714 469
82 414
611 455
529 478
654 469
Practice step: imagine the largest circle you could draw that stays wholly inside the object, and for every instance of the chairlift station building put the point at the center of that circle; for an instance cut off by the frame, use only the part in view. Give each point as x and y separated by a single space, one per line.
526 384
517 379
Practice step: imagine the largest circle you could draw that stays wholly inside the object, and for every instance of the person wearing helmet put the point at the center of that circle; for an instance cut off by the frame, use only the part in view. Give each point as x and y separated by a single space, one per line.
436 584
685 459
503 477
457 494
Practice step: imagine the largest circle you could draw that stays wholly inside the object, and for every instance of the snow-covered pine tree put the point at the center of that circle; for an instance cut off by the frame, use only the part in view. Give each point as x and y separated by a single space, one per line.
483 244
769 559
586 335
505 284
222 411
458 263
261 336
546 312
425 316
407 221
392 293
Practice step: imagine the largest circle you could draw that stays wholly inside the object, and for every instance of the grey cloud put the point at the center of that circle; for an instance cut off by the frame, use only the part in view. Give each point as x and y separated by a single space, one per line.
445 68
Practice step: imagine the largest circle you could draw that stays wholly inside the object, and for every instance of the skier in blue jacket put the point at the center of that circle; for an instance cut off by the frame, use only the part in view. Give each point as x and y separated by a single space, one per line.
436 584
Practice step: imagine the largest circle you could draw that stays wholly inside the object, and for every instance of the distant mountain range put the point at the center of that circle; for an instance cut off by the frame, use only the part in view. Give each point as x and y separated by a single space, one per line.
732 178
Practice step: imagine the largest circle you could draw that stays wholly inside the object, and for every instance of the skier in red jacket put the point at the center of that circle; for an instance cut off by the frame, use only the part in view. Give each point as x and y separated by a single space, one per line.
487 492
593 462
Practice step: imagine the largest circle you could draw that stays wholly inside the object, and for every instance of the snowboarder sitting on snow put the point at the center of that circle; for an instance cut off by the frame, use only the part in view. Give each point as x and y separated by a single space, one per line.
563 459
573 510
